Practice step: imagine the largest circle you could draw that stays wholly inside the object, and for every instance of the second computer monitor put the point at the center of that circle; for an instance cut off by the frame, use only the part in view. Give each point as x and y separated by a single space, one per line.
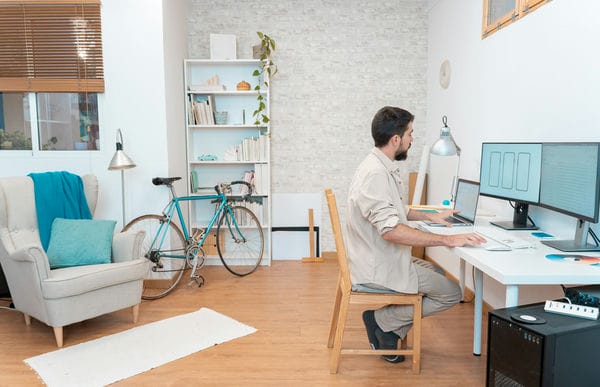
511 171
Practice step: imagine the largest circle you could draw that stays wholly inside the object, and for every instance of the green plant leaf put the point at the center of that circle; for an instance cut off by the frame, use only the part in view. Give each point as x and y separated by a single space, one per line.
265 119
260 35
256 73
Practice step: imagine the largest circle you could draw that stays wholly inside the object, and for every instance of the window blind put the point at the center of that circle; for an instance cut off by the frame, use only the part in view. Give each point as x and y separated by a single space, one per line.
51 46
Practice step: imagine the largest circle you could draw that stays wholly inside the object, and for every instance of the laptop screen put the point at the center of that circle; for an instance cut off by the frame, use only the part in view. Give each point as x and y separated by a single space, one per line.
467 194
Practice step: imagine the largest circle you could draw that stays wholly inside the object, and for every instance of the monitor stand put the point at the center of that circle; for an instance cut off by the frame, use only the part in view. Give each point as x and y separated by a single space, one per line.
577 244
520 221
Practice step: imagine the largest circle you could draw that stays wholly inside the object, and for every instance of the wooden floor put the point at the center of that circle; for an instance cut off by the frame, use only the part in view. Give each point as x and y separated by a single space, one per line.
290 304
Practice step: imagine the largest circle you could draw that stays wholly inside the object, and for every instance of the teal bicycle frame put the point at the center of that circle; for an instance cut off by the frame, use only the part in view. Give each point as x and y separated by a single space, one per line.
173 207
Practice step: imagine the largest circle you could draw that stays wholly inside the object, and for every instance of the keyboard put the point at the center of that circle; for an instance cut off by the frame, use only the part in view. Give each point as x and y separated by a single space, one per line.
501 240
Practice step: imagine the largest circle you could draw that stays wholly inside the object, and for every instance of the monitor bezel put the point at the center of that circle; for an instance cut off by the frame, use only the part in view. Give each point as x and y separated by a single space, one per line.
510 199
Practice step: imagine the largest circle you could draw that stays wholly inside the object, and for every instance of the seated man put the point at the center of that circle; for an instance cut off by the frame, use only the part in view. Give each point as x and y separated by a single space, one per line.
379 238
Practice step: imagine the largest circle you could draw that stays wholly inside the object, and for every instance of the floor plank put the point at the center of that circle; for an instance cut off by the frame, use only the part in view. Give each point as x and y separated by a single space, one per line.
290 303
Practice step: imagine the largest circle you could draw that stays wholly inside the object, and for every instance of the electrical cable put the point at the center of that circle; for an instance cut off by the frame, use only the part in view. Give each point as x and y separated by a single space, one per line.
594 236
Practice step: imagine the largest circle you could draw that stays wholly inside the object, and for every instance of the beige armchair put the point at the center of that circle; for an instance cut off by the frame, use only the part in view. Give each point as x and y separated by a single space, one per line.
60 297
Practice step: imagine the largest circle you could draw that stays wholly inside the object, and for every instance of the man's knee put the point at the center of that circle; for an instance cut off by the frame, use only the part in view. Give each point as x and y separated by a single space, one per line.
455 294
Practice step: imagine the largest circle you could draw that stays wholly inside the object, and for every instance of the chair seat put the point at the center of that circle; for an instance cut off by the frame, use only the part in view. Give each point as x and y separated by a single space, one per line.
76 280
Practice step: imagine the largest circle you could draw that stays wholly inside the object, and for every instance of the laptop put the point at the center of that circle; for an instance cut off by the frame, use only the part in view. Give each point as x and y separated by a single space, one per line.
465 201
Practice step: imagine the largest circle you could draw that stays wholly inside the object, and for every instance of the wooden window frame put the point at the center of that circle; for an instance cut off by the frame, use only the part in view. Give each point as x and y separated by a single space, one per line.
41 56
521 9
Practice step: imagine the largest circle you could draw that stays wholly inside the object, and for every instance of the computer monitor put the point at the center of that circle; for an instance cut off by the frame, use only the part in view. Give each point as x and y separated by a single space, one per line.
570 184
511 171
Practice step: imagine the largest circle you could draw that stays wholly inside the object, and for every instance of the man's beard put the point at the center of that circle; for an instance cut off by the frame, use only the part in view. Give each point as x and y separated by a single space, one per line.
401 156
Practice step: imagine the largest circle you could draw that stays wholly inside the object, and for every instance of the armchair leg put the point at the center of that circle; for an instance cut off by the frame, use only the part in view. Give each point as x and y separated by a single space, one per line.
58 334
27 319
136 312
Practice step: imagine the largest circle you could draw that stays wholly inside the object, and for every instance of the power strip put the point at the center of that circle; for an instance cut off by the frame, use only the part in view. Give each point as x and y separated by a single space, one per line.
574 310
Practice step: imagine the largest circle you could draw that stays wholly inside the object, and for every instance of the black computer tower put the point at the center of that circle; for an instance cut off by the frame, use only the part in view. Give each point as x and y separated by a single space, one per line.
562 351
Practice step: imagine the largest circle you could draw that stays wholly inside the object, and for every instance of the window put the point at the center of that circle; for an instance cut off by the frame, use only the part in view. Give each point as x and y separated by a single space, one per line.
51 71
500 13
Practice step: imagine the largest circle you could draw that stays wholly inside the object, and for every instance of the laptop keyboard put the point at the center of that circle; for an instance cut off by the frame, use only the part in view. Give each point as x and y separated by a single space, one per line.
453 220
501 240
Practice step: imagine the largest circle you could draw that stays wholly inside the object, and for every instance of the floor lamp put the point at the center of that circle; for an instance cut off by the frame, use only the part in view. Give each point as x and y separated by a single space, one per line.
120 162
444 146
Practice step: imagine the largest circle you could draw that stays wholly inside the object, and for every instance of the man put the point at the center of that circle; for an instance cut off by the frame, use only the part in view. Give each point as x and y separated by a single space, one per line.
379 238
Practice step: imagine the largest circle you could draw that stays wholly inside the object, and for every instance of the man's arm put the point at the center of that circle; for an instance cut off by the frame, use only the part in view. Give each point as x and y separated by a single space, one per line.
409 236
436 217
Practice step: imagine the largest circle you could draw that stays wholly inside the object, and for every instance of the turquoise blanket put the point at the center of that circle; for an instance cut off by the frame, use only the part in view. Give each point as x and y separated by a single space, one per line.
58 195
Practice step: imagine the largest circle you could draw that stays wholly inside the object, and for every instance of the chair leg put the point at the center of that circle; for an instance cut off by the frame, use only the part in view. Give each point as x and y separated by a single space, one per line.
334 316
136 312
339 334
417 318
27 319
58 335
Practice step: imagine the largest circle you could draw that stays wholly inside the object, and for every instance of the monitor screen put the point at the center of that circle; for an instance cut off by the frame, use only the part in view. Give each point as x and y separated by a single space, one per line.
569 181
511 171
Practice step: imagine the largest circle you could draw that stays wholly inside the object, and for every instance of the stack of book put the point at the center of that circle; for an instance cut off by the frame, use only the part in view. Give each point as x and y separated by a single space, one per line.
202 110
253 149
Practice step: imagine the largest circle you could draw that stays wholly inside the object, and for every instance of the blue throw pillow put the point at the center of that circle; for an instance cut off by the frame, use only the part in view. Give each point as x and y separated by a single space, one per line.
77 242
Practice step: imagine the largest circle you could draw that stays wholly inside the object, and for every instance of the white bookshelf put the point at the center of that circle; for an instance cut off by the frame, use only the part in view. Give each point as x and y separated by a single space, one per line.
208 139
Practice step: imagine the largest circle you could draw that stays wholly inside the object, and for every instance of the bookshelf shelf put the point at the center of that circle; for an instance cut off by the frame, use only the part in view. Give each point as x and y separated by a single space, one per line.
241 149
227 162
240 126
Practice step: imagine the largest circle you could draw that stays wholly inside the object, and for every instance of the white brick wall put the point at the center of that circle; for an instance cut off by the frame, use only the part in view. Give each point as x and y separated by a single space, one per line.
339 62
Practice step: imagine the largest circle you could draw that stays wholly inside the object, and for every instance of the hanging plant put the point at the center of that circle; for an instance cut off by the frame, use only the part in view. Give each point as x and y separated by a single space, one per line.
264 74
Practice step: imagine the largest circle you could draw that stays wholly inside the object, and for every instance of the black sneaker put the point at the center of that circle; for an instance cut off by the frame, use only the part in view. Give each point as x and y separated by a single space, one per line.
380 339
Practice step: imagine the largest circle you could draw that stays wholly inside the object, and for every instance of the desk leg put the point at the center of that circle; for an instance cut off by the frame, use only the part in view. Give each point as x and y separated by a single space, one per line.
477 319
461 279
512 296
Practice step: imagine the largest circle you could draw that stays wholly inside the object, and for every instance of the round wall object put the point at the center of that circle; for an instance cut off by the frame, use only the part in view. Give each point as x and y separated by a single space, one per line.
445 71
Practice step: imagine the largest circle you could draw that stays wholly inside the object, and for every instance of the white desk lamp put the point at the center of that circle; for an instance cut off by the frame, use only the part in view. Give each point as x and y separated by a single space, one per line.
121 161
444 146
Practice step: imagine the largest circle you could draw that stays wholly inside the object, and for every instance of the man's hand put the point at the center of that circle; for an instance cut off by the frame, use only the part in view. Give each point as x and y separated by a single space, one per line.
469 239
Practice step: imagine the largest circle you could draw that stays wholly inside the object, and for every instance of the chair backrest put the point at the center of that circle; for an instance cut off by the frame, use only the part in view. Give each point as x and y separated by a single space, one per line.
338 236
18 217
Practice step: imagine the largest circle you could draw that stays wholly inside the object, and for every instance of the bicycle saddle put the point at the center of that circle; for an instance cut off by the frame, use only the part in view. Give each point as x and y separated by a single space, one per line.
164 180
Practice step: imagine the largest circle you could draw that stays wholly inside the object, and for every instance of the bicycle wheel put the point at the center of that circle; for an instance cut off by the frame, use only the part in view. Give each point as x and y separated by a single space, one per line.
167 264
240 240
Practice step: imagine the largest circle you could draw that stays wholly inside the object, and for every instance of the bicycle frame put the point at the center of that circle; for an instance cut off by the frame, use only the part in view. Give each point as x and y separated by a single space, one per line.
173 207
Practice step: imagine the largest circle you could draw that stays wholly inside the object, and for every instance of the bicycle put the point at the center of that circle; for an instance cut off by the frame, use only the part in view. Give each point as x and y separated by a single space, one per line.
172 250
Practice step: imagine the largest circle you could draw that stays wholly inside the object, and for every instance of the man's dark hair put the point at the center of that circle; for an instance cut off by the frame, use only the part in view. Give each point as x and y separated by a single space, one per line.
389 121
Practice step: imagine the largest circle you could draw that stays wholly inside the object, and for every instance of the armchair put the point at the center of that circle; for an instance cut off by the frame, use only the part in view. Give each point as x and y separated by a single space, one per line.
59 297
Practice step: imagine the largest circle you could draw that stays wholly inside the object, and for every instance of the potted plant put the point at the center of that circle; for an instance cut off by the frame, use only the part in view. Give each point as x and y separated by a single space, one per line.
264 74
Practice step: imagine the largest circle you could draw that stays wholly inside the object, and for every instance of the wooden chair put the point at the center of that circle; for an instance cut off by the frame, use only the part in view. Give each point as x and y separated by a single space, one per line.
345 296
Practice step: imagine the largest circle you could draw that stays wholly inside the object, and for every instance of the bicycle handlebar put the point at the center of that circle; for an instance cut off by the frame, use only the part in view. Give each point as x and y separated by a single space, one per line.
236 182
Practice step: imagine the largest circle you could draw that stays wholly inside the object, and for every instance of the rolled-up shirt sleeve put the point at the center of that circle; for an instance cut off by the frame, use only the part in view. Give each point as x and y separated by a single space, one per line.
376 204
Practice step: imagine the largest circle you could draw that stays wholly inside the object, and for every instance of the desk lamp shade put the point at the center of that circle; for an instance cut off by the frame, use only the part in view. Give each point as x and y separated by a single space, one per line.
445 145
120 160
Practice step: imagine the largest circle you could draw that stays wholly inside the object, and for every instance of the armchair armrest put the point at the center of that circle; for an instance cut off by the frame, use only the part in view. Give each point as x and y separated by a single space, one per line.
127 246
34 254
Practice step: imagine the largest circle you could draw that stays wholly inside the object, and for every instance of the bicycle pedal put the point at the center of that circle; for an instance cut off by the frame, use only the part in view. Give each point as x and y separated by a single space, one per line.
198 279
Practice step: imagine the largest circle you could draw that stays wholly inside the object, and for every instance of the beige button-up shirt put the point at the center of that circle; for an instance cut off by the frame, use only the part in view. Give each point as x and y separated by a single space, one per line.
374 207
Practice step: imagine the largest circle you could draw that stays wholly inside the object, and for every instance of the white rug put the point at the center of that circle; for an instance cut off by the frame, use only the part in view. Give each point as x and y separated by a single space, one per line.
112 358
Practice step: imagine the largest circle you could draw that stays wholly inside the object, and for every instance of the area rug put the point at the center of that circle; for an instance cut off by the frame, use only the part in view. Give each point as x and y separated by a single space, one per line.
112 358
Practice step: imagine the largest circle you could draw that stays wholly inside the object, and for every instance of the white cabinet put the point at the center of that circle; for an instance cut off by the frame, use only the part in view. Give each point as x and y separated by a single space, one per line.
222 142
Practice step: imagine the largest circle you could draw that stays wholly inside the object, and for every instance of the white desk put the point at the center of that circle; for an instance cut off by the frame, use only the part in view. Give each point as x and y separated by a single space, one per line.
515 268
